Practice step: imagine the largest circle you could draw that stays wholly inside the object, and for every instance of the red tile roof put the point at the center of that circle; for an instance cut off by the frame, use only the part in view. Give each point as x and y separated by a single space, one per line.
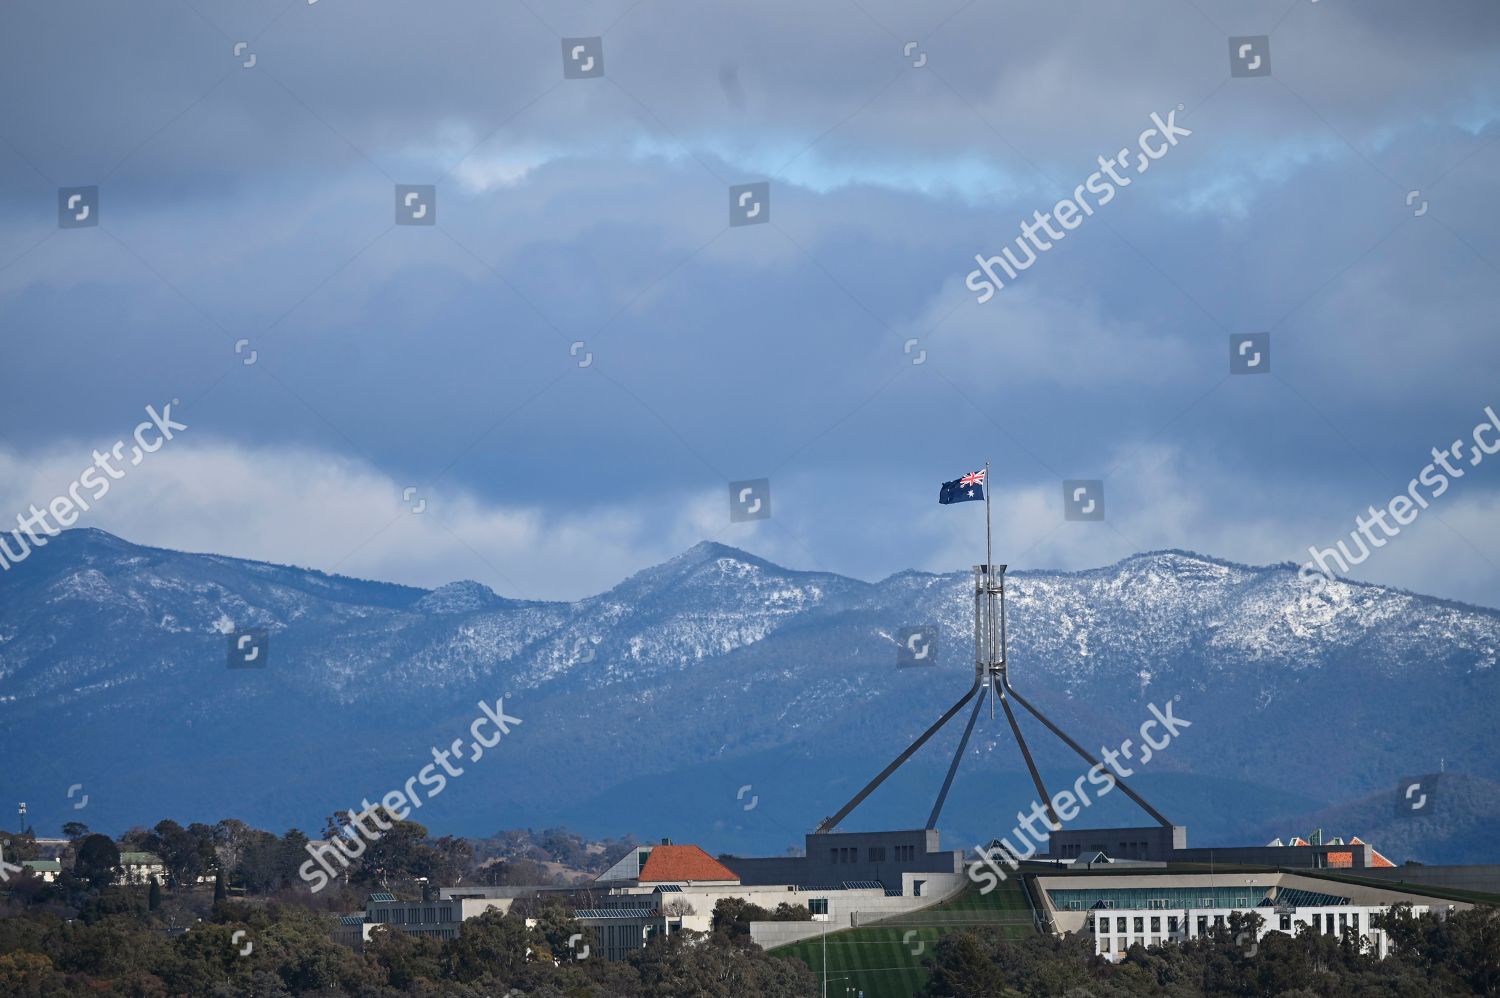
667 864
1375 859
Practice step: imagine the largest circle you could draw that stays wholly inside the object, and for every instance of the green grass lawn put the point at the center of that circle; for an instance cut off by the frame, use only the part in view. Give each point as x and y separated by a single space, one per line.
885 960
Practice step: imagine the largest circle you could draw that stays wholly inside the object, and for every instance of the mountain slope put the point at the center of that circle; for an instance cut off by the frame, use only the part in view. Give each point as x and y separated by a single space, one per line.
647 708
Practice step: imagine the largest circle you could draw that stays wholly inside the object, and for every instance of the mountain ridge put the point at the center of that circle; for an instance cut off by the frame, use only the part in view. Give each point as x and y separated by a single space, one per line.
721 659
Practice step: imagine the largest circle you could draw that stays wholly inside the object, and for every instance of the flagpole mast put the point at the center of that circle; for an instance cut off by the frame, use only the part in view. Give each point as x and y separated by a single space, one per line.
987 556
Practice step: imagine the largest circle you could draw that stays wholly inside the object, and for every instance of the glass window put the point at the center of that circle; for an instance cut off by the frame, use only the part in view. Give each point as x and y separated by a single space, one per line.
1155 923
1202 925
1354 921
1104 944
1171 923
1140 924
818 906
1120 924
1286 923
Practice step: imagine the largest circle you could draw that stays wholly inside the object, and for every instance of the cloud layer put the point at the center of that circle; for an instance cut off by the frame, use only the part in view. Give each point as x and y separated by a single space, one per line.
579 356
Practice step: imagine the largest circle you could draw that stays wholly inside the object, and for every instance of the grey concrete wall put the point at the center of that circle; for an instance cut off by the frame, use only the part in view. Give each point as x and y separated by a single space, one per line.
820 867
771 934
1476 877
1312 857
1140 842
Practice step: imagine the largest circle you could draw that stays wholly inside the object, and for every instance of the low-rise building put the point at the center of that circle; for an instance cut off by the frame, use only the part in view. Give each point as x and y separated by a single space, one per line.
1122 909
436 917
140 868
49 870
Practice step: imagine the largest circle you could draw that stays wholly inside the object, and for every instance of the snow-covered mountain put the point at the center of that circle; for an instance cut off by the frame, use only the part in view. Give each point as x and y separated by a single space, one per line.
649 708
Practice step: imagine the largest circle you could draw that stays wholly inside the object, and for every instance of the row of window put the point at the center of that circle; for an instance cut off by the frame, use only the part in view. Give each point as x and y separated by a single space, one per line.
876 854
1137 924
413 916
1078 904
1121 850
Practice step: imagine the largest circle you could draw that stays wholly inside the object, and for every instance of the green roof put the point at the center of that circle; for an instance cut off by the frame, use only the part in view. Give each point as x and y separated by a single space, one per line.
42 865
140 859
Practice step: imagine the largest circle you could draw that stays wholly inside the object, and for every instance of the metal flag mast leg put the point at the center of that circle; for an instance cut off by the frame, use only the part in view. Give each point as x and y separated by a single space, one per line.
991 675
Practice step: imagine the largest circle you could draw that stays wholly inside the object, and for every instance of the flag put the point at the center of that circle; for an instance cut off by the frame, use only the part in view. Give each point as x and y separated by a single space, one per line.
969 488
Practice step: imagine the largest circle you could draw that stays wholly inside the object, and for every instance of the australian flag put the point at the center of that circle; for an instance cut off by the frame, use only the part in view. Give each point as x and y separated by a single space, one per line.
965 489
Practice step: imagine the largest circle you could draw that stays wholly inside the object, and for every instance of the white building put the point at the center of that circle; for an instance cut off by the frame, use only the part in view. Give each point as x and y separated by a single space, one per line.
48 869
1119 910
140 868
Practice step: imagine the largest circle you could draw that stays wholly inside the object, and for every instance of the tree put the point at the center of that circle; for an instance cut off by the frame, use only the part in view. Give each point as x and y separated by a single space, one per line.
21 845
491 943
153 896
75 830
557 928
184 852
732 917
98 860
961 968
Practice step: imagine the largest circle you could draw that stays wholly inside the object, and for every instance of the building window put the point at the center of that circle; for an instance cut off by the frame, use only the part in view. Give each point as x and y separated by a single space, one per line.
1140 924
1286 923
877 854
1104 944
833 855
1354 921
1155 923
1329 922
1343 921
817 906
1171 923
1202 925
1120 924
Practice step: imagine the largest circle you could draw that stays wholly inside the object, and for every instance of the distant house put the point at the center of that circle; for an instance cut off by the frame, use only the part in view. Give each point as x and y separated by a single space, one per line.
436 917
48 869
140 868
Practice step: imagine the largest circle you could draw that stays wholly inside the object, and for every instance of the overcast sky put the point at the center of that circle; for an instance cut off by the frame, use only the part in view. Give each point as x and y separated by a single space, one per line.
257 203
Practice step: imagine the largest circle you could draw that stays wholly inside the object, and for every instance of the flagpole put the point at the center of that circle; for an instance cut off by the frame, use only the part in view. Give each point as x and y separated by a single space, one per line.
987 555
